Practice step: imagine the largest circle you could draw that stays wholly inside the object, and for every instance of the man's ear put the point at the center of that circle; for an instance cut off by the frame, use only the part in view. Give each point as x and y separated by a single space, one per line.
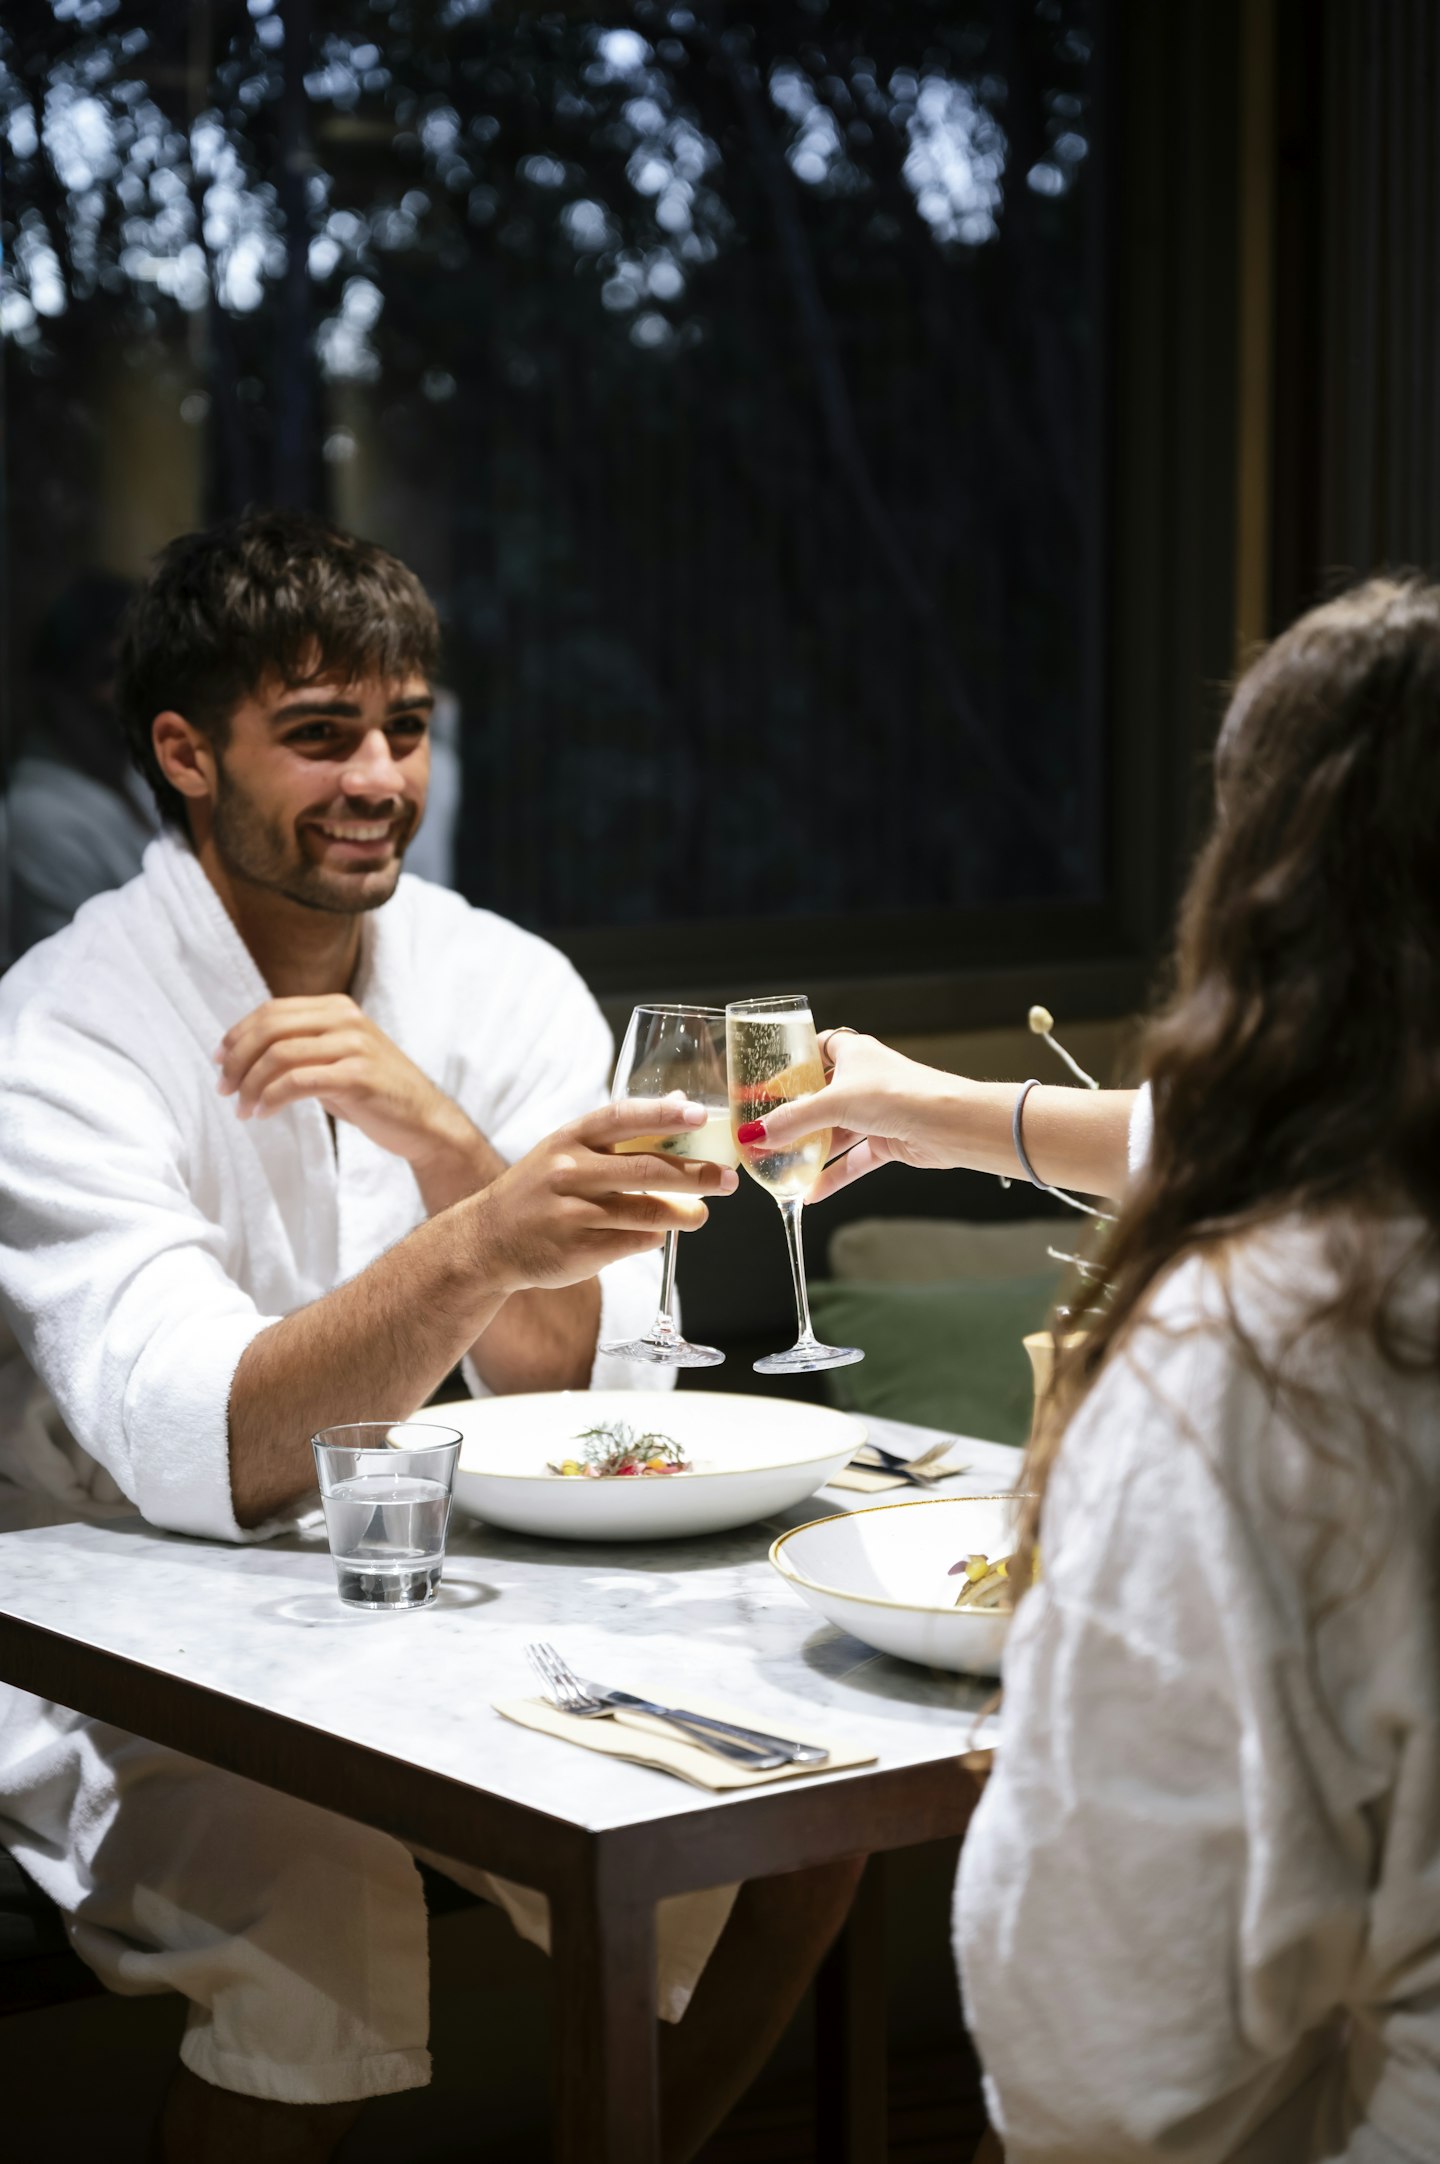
185 755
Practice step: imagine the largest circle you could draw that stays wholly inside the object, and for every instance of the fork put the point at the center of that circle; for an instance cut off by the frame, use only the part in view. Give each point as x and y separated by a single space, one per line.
926 1471
565 1691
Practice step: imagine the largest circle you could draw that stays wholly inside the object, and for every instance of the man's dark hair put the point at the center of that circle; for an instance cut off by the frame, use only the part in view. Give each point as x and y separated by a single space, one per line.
270 594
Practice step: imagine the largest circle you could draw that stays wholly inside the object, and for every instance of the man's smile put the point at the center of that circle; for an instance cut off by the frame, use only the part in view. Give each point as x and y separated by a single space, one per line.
361 833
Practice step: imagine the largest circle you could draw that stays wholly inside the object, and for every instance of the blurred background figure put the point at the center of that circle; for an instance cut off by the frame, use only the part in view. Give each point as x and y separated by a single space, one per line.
431 854
77 815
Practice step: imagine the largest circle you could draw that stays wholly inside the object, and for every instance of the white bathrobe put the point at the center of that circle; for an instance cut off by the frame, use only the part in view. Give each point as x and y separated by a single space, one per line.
146 1235
1198 1913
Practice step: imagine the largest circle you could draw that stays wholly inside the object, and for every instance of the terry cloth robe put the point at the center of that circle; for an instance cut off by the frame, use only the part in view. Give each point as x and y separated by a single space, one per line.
147 1234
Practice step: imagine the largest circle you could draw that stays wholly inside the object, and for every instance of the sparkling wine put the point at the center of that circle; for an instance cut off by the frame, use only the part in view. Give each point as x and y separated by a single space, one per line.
713 1144
675 1048
774 1058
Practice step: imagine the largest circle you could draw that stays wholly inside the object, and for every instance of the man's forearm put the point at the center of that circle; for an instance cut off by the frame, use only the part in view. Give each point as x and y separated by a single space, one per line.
541 1341
534 1340
373 1349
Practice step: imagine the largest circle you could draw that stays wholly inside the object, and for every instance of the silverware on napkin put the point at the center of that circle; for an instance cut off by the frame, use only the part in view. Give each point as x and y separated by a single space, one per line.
926 1471
591 1701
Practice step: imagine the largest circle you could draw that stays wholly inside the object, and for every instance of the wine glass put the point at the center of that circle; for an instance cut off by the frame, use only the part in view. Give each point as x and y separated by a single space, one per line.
773 1057
665 1049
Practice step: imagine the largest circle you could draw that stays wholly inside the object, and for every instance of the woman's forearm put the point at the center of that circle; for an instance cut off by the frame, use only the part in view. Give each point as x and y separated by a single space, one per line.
1073 1137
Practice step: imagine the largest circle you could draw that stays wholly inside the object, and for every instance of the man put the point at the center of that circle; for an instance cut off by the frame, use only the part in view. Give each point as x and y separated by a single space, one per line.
278 1154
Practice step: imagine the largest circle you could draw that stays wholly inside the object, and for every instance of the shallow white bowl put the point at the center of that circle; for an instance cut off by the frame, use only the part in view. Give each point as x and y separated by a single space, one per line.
752 1457
882 1575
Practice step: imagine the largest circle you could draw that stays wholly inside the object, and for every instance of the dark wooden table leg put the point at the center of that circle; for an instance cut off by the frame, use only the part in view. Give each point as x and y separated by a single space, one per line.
850 2083
607 2091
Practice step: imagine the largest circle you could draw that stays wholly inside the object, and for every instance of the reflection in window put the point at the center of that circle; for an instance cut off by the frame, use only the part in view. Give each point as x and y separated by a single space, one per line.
731 374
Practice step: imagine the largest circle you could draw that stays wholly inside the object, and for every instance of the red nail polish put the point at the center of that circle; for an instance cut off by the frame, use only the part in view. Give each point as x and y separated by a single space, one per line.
752 1131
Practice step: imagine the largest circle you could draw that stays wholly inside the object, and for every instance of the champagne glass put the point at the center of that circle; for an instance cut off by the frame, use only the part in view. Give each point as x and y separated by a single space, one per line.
665 1049
773 1057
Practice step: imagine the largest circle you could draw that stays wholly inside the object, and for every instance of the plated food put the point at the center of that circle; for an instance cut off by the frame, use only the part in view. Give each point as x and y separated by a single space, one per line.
885 1576
735 1458
614 1451
987 1583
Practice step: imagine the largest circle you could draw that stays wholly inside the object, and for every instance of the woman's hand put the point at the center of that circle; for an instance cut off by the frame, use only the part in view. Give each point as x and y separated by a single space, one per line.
883 1109
572 1205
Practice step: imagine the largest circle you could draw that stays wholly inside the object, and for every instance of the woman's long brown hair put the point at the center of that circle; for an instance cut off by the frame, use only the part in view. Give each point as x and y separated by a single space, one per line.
1296 1068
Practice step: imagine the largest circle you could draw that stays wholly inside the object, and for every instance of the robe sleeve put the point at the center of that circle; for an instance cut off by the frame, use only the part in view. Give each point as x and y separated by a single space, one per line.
1162 1896
113 1281
1142 1128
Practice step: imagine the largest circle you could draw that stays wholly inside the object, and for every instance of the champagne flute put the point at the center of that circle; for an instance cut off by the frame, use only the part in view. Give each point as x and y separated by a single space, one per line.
773 1056
675 1048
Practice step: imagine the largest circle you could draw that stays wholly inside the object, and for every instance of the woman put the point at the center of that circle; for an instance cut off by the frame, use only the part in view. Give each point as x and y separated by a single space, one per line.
1198 1914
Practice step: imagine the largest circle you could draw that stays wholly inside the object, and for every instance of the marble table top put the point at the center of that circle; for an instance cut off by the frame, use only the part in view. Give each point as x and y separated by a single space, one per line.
704 1617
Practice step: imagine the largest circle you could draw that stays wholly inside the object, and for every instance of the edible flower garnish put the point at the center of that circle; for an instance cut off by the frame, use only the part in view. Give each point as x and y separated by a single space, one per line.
987 1582
614 1452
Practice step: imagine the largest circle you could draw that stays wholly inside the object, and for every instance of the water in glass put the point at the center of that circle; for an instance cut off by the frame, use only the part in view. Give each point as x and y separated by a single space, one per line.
387 1536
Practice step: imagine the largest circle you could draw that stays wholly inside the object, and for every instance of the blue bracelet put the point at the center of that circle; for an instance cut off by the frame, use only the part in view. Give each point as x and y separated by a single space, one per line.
1015 1136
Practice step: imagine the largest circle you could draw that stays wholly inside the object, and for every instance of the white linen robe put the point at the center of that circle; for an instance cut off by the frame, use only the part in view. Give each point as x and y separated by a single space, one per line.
1198 1909
147 1234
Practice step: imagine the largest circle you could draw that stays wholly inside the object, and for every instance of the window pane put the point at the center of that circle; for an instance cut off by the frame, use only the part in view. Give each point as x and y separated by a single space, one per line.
732 376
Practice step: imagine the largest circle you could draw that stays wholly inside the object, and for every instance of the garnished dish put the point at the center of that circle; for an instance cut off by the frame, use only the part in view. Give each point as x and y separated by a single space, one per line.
614 1451
987 1582
526 1466
887 1575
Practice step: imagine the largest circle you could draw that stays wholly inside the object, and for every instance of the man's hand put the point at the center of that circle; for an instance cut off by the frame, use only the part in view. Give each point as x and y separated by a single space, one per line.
570 1205
329 1049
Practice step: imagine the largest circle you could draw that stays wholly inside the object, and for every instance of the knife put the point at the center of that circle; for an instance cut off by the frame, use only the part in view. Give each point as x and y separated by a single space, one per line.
770 1750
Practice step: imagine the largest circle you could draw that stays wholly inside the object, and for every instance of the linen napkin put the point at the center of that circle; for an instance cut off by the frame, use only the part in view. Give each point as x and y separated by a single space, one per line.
865 1482
867 1476
644 1741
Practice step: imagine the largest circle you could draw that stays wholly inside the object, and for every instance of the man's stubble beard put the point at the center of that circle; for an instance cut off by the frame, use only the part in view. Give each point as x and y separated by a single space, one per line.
268 854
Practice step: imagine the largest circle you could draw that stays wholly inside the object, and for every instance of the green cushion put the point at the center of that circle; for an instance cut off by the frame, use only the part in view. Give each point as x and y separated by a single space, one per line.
947 1355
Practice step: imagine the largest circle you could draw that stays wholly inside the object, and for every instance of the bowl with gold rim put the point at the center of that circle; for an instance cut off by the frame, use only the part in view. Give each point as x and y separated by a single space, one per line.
746 1457
892 1576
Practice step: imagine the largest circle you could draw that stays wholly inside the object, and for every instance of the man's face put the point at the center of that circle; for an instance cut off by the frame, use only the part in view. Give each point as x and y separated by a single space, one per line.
319 788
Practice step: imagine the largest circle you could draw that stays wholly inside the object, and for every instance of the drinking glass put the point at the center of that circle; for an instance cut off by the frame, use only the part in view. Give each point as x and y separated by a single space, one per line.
675 1048
773 1057
386 1486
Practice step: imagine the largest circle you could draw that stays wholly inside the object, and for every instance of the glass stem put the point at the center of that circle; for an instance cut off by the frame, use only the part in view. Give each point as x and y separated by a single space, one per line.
664 1320
790 1212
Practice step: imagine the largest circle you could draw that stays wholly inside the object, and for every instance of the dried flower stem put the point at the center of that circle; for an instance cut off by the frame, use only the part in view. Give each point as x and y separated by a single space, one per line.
1042 1023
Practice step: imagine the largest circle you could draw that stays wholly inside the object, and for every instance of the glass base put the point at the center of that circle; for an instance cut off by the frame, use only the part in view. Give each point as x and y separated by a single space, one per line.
412 1586
805 1359
669 1352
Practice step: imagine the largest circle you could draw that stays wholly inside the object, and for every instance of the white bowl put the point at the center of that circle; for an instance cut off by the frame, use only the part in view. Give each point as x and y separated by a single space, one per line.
752 1456
882 1575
